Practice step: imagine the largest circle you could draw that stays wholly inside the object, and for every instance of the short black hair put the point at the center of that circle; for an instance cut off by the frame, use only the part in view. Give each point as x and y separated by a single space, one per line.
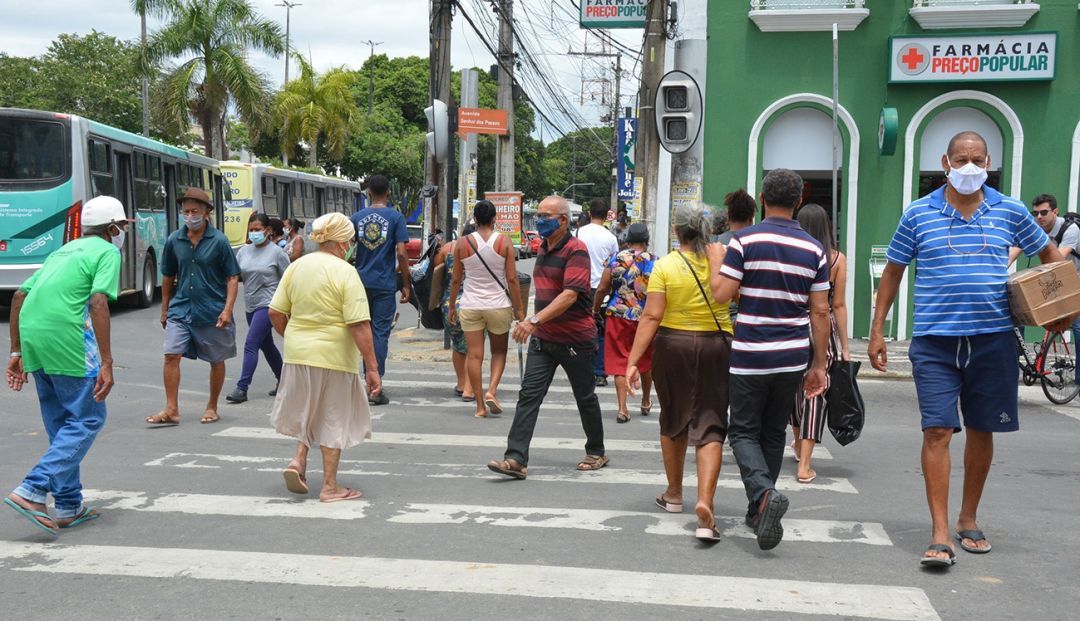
261 218
598 208
379 186
1045 198
782 188
741 207
484 212
967 135
297 225
277 226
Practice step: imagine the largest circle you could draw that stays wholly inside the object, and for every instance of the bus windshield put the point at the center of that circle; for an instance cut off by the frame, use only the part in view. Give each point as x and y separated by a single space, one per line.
31 150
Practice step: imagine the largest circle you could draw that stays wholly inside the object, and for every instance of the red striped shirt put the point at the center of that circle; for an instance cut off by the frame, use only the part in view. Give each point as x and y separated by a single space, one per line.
566 266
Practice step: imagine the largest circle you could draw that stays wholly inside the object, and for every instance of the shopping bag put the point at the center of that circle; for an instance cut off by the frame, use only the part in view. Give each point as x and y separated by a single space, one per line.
846 408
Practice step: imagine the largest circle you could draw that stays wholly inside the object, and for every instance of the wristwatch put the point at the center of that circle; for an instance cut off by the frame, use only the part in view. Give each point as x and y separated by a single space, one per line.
535 320
16 354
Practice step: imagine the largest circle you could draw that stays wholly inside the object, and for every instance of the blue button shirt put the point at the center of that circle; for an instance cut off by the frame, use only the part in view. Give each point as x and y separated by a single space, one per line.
378 232
202 273
962 265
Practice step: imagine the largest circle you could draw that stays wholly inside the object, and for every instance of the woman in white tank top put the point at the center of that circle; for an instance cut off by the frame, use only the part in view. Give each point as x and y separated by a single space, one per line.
491 300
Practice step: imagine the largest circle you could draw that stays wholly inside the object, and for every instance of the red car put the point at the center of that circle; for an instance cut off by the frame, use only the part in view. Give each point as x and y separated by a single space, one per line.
415 245
534 241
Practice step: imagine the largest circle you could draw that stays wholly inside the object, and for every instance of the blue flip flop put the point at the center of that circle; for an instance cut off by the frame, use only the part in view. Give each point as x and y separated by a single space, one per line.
84 515
33 516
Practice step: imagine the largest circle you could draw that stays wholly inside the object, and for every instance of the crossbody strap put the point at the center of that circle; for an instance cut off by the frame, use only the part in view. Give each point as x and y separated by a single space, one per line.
701 289
476 251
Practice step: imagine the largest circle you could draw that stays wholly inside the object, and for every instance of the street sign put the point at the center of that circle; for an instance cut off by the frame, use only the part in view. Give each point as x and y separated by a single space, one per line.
624 164
483 121
507 213
613 13
973 58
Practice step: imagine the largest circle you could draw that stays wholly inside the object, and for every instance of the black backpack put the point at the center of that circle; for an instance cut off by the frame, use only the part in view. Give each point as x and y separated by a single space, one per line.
1071 219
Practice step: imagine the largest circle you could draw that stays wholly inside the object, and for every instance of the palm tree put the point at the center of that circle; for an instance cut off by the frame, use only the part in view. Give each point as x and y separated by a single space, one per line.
316 106
212 38
142 8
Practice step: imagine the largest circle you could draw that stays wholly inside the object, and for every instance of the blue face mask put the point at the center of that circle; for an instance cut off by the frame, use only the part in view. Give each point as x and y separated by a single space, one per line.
257 237
546 227
283 243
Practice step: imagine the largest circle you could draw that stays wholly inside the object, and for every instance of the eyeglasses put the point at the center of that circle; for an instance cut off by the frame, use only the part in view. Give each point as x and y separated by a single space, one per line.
981 232
1040 212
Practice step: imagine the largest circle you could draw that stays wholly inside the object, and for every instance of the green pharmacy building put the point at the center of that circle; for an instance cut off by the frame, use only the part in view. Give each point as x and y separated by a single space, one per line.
912 73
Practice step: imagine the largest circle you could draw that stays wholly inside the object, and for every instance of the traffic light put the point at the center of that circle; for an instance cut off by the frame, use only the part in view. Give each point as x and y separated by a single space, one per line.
678 111
438 136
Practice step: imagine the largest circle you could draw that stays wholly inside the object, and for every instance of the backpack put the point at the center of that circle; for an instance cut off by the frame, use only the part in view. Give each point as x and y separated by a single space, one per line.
1071 219
421 276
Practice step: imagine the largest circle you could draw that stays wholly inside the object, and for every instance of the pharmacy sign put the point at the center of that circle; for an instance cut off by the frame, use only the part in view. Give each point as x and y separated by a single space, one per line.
973 58
613 13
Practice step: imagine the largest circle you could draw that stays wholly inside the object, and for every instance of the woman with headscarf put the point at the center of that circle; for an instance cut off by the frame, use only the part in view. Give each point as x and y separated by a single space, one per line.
626 278
690 365
321 308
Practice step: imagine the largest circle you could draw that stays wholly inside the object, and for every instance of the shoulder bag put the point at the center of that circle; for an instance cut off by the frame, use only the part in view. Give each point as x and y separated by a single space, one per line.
701 289
476 251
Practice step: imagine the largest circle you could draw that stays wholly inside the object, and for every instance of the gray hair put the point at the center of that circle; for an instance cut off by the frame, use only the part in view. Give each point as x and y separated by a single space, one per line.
782 188
691 227
561 204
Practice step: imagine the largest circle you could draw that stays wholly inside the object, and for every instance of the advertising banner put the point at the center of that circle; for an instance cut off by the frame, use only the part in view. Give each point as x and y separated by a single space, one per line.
613 13
507 213
624 165
973 58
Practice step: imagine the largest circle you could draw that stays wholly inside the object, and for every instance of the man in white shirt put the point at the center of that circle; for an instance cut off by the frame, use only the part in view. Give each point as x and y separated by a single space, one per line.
1066 235
602 246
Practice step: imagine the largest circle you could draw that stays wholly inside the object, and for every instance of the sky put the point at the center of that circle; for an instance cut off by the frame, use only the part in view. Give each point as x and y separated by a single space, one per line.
334 33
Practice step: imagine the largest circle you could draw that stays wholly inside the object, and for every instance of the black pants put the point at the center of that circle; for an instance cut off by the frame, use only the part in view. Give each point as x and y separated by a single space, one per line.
544 358
757 428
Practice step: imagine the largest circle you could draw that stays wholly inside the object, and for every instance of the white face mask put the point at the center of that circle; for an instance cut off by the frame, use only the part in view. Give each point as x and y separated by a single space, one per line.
967 179
118 241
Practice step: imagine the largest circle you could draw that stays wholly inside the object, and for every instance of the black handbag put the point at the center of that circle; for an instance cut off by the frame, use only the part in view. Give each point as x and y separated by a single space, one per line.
846 408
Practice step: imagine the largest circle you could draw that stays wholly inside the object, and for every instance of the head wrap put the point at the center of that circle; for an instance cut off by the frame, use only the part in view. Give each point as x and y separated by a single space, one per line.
333 227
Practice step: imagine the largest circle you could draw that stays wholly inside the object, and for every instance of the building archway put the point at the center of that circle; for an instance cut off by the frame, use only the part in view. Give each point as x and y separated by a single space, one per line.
849 134
1074 172
1012 159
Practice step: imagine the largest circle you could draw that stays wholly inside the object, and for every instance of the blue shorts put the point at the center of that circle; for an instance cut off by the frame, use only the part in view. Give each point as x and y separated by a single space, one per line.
209 343
980 372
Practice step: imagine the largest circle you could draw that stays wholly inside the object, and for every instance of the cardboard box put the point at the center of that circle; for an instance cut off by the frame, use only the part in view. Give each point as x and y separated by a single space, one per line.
1044 294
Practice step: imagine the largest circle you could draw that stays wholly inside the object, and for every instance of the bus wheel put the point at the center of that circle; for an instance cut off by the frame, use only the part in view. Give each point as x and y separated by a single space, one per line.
146 294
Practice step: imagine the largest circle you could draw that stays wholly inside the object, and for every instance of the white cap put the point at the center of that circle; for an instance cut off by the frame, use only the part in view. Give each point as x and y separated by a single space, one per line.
103 210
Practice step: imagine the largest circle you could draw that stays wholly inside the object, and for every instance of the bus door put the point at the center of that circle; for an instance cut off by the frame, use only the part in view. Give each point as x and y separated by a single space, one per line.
125 193
320 202
285 196
219 201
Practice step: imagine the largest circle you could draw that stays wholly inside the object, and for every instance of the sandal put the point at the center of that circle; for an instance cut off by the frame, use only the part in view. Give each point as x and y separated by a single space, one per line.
84 515
974 535
667 505
807 479
508 467
493 405
593 462
936 561
707 534
795 449
162 419
623 417
209 416
645 409
350 494
295 481
39 518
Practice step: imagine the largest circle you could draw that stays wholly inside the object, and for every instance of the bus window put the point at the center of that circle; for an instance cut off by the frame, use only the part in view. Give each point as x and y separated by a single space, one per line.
154 165
32 150
269 196
100 168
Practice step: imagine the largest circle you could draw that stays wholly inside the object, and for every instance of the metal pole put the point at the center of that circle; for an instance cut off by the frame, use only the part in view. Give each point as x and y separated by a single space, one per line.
371 76
145 84
288 15
615 155
504 151
836 128
647 151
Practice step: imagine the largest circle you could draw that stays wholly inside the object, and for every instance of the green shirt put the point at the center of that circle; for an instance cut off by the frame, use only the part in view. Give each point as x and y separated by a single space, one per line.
54 323
202 274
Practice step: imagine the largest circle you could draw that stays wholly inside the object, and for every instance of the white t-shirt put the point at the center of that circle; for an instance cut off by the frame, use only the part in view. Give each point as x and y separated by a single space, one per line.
602 246
1071 240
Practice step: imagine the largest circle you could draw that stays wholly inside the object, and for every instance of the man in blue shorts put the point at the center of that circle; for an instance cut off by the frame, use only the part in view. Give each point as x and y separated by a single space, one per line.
962 348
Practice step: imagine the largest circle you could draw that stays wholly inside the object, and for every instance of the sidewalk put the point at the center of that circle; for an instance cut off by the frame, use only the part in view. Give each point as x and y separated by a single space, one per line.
412 344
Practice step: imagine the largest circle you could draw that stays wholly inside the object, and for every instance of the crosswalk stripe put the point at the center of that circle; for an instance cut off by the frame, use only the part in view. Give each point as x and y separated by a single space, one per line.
816 531
609 476
495 442
231 505
478 577
510 388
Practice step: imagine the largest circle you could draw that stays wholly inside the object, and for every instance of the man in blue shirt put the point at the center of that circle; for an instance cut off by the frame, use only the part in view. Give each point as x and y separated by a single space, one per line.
198 291
380 257
962 348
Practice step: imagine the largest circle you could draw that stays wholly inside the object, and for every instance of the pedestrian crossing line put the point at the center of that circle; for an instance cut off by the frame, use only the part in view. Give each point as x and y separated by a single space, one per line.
800 530
238 506
494 442
477 578
448 372
610 475
511 388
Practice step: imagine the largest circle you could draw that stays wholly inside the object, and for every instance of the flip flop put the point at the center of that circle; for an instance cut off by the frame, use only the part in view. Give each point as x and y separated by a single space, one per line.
34 516
294 481
161 420
352 494
84 515
469 399
622 418
493 405
645 410
974 535
794 449
460 393
934 561
707 534
207 419
670 507
809 479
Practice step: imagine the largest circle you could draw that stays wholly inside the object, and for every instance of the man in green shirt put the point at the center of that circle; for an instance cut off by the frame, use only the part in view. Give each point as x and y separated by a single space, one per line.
60 334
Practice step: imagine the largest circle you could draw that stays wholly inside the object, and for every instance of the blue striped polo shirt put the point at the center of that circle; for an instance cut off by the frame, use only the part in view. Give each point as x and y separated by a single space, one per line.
777 265
962 266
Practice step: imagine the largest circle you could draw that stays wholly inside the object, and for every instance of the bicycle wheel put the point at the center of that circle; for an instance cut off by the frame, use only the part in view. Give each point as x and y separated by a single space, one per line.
1058 370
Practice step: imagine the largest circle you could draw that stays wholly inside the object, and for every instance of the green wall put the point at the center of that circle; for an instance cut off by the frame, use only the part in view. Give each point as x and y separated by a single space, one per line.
748 70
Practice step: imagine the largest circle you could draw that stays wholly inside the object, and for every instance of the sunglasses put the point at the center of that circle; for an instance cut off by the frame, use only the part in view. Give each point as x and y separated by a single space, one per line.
1040 212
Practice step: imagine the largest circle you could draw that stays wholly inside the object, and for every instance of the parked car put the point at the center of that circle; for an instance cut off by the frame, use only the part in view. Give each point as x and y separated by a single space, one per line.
415 245
534 242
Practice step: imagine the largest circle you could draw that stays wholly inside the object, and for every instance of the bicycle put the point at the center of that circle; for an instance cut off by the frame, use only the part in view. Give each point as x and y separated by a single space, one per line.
1053 366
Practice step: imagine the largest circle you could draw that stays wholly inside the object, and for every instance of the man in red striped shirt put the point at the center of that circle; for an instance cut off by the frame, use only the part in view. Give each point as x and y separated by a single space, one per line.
560 334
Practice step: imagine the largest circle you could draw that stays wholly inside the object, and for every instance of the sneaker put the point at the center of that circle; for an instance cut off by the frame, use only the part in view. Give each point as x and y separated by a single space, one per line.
236 396
273 393
601 380
382 399
769 529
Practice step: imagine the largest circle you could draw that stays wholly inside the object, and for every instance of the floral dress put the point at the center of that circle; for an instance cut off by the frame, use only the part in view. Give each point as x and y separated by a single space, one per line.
630 270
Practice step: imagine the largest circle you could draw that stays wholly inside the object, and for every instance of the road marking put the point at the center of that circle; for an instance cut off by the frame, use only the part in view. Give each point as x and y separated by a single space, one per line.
610 475
495 442
514 388
815 531
240 506
479 578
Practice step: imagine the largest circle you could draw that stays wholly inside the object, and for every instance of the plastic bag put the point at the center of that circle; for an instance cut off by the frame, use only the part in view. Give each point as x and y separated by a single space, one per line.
846 408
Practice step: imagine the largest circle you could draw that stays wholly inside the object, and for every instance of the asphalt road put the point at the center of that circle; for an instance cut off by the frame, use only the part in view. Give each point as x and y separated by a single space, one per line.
196 522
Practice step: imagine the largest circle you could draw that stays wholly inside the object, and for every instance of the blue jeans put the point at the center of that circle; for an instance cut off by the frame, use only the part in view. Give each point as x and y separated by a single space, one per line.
72 420
1076 347
381 306
260 336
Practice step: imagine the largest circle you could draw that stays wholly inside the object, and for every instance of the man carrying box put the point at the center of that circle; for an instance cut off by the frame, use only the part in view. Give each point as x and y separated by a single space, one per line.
962 348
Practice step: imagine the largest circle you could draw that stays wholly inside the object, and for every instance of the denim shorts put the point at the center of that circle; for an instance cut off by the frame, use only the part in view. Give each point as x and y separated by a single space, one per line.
209 343
979 373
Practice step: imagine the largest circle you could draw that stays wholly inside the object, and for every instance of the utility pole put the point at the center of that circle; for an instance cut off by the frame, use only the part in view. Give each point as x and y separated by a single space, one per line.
439 208
614 197
470 88
145 81
371 76
288 14
647 153
504 149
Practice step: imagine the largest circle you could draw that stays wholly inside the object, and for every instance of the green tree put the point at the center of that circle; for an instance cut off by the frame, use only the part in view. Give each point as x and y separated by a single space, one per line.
316 106
21 81
212 40
581 156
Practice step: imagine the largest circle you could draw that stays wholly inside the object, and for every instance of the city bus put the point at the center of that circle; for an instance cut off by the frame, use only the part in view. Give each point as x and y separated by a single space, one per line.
282 193
51 163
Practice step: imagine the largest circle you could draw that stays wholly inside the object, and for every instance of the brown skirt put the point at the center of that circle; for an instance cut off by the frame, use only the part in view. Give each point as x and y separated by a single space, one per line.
321 407
690 371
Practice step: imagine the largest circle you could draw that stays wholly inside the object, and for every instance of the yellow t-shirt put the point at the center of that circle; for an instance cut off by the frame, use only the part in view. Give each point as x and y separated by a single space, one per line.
686 308
322 295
